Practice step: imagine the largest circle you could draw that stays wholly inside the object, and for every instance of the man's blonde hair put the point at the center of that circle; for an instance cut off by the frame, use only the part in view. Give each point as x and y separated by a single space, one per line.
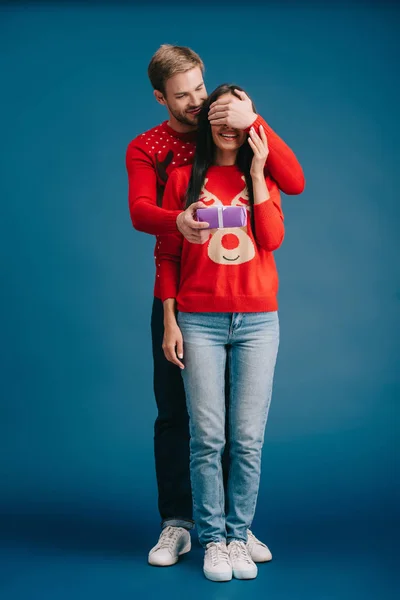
170 60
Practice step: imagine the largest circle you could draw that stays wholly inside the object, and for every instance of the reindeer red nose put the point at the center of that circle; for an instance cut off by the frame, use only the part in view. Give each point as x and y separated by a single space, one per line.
230 241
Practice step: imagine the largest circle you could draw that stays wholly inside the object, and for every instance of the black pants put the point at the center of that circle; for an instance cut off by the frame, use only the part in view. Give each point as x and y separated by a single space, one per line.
171 431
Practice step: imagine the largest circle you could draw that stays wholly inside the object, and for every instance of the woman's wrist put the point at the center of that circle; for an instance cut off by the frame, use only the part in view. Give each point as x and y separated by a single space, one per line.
260 189
257 176
169 312
169 317
170 323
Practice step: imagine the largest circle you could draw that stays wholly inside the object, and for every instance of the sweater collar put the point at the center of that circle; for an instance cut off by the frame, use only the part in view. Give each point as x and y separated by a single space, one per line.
190 136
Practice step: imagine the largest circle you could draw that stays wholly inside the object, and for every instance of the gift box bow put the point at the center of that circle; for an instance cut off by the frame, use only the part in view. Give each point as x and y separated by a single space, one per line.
219 217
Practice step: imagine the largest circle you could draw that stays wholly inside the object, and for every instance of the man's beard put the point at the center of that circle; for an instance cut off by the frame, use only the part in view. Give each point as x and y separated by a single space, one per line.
184 119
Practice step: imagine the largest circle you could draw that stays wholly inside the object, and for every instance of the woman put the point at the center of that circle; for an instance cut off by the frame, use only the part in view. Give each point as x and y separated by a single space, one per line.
225 292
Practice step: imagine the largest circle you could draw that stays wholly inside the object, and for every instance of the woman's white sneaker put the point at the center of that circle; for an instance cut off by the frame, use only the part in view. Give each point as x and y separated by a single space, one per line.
172 542
217 566
259 552
243 566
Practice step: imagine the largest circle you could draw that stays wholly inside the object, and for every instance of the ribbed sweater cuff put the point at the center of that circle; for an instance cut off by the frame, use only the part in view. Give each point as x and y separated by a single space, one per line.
256 124
168 292
170 221
263 211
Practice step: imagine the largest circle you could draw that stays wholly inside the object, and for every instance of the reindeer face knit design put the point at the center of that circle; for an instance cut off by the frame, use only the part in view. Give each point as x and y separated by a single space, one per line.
234 271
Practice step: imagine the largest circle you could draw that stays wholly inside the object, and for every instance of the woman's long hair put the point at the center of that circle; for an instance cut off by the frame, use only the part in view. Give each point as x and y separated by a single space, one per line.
205 151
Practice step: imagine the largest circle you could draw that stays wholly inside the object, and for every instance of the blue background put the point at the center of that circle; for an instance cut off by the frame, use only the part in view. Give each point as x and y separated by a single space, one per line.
77 482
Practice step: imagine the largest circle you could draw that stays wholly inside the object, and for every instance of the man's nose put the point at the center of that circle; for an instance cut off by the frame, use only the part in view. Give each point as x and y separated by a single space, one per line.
196 99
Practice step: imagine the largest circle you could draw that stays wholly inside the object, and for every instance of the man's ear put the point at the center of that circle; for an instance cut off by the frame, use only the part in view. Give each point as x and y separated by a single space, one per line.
159 97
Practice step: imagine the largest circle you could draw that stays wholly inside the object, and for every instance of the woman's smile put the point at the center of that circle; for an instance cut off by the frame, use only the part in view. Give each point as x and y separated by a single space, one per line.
229 136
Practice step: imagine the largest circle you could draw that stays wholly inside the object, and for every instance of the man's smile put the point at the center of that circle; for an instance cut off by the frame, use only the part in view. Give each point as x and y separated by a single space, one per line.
194 111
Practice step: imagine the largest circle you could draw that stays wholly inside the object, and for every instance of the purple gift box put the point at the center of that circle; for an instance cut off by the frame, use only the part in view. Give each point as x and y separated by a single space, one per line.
223 216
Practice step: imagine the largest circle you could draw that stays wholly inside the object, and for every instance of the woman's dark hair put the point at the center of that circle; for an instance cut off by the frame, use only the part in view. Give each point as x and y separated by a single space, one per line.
205 151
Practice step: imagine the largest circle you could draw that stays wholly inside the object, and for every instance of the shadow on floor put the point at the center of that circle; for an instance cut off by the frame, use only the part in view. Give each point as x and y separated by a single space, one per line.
99 533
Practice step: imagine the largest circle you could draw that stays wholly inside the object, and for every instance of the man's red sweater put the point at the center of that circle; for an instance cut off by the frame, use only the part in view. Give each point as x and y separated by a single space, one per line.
153 155
234 271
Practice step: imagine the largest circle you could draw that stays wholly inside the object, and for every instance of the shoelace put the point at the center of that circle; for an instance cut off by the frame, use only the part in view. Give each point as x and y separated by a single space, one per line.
239 551
168 537
218 553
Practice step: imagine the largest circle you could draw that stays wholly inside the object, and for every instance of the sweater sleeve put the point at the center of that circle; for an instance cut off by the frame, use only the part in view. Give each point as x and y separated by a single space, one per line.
282 163
170 246
268 219
142 184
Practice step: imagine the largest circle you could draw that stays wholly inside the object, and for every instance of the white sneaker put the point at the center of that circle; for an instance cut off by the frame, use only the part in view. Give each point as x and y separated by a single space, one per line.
259 552
217 566
172 542
242 565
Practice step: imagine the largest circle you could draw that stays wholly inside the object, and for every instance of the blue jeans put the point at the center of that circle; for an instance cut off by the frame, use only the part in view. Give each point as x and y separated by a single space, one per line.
249 341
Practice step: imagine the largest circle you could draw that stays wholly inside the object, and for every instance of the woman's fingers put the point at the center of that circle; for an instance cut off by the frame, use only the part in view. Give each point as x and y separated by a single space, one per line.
172 347
179 348
170 355
260 141
257 137
253 146
263 136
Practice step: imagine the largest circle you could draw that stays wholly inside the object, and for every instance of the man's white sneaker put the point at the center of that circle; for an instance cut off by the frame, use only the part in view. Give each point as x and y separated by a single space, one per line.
242 565
259 552
217 566
172 542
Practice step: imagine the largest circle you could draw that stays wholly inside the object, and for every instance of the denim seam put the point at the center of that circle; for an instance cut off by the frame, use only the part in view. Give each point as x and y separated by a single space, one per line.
231 369
221 475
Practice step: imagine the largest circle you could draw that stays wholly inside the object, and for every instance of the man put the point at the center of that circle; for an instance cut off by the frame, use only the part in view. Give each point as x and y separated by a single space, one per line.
176 74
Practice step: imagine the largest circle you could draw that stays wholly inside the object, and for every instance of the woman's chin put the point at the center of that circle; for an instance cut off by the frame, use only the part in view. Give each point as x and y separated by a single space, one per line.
228 147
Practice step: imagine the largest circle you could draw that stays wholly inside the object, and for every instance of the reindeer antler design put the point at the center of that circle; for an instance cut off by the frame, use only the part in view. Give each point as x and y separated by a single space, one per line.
207 197
242 198
162 165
